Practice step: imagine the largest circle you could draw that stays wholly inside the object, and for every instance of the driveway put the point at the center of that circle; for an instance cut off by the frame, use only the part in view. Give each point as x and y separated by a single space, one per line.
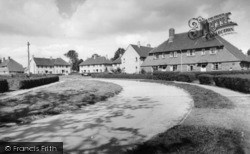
139 112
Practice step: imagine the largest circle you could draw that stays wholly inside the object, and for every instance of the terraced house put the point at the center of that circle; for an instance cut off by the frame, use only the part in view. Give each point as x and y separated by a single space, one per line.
49 66
10 66
180 53
96 64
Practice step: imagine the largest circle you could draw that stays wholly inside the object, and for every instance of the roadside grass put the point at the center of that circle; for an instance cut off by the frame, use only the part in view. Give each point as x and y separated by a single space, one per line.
67 96
189 137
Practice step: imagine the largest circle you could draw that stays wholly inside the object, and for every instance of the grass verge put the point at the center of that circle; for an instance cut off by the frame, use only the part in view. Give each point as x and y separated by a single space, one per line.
67 96
191 137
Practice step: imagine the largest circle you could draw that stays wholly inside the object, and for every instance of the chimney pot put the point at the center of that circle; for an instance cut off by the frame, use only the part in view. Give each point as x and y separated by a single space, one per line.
171 34
9 58
139 44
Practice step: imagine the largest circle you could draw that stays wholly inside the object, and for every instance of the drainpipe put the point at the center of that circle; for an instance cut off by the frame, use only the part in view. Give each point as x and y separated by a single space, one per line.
181 60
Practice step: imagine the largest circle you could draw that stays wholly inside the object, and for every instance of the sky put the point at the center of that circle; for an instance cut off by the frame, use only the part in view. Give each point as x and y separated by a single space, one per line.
102 26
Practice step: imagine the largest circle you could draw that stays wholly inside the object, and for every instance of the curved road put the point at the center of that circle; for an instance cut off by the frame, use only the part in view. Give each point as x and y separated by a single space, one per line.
139 112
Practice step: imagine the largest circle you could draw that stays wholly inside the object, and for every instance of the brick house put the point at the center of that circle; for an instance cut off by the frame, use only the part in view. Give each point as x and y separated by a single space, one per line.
49 66
133 58
95 64
180 53
10 66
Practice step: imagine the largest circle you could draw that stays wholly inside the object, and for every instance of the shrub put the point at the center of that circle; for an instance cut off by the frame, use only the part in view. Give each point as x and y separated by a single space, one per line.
123 76
169 76
239 82
206 79
185 77
4 85
30 83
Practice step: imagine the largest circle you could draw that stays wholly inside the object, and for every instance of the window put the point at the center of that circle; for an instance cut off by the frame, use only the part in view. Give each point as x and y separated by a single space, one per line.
191 53
135 67
136 59
123 60
173 68
190 68
171 54
156 56
213 51
203 52
215 66
163 55
175 54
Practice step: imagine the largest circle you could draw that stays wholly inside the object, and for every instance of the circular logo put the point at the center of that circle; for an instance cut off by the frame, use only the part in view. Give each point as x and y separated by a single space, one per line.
7 148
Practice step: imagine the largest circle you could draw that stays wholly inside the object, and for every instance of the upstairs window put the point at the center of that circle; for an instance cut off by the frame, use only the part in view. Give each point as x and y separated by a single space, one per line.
215 66
171 54
136 59
163 55
203 52
213 51
175 54
191 53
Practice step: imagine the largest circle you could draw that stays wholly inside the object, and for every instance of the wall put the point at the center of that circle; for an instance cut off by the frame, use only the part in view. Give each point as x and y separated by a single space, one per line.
129 63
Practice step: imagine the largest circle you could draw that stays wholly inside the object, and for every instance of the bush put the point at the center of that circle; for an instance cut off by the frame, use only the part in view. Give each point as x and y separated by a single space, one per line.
4 85
169 76
239 82
185 77
122 76
30 83
206 79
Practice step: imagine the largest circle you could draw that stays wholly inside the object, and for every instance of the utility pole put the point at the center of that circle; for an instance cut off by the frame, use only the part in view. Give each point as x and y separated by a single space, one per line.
181 60
28 45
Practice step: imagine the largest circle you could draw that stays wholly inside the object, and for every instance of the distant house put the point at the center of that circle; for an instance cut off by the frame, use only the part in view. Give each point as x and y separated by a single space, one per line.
117 63
95 64
10 66
49 66
133 57
180 53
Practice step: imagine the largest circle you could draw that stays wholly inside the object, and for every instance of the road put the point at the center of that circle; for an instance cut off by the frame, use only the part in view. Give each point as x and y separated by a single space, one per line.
139 112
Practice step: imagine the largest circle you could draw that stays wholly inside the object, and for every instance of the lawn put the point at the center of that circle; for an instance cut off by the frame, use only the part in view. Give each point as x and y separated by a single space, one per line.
70 95
201 132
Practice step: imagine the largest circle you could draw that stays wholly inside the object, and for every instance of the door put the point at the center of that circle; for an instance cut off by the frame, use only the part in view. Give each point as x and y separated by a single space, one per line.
203 68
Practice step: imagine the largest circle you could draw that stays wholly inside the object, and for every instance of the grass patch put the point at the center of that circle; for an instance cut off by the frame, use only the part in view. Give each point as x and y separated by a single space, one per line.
192 139
67 96
203 98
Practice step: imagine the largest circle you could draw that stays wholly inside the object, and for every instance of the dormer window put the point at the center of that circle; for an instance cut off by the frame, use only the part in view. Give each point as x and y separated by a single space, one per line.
163 55
171 54
213 51
175 54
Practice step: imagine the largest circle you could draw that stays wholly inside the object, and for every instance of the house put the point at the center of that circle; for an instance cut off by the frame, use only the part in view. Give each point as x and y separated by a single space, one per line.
133 57
117 63
49 66
10 66
180 53
96 64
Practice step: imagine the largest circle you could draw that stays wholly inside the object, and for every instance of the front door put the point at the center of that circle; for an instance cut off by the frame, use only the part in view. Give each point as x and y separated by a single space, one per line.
203 68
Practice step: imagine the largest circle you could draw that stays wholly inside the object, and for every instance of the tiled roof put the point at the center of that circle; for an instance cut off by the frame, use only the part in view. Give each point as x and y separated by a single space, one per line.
142 50
50 62
12 65
117 61
96 61
181 41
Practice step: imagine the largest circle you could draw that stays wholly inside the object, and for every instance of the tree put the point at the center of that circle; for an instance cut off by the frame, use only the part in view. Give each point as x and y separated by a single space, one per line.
74 61
248 52
95 55
119 51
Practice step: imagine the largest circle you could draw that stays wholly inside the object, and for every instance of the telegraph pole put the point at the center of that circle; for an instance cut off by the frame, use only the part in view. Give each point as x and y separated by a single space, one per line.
28 45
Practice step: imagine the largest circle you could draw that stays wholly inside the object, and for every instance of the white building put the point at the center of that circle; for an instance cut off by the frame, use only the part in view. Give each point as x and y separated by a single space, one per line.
49 66
133 57
96 64
117 63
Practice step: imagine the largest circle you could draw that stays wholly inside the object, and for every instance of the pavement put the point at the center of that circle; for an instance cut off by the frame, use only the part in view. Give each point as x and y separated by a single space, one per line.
139 112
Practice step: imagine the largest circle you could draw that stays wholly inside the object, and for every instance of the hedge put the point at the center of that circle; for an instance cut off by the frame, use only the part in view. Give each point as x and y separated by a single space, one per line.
4 86
123 76
175 76
206 79
30 83
239 82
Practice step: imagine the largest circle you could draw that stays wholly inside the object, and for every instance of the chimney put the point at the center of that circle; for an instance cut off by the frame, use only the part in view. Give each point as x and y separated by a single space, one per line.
9 58
50 57
3 59
139 44
148 45
171 35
